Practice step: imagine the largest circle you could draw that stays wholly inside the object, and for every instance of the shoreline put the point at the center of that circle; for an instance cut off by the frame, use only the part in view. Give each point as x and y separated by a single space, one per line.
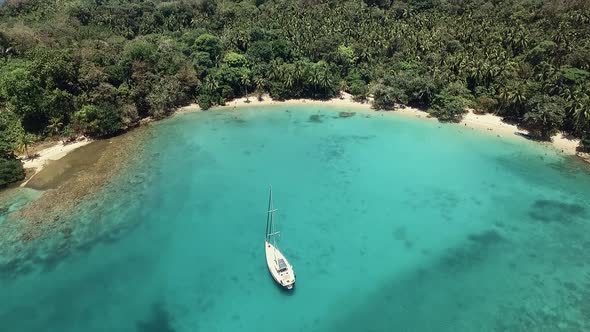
82 172
489 123
47 155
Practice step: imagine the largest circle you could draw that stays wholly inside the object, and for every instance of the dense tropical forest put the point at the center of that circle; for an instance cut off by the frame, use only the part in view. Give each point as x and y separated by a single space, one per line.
96 67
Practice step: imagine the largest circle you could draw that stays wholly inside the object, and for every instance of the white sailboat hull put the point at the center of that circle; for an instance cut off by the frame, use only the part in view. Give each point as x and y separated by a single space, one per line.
282 272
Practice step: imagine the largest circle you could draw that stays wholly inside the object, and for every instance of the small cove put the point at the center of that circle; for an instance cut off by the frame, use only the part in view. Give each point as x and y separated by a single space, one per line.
390 223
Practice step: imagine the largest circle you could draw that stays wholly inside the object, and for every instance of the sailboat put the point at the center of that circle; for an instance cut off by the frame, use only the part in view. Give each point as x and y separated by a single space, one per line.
278 265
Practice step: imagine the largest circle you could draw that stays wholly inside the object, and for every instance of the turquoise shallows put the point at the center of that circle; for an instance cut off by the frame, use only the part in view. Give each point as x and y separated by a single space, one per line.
391 224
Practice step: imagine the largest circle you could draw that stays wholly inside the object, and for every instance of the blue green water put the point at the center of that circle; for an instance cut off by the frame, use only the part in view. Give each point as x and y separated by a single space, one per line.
392 224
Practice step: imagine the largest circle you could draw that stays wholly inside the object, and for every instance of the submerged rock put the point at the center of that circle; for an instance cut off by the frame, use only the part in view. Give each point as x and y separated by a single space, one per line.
488 237
315 118
346 114
159 321
548 211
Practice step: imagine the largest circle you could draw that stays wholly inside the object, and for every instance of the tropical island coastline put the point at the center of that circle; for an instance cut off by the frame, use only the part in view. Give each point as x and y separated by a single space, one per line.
425 153
487 123
67 173
108 77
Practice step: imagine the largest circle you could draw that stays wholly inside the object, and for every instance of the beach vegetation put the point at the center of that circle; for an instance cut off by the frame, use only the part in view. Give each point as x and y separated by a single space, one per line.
545 117
11 169
450 104
585 143
97 121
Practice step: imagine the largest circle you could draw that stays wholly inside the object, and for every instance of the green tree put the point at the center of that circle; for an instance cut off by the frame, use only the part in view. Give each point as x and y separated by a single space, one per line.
450 104
11 169
387 97
208 44
545 117
245 81
96 121
22 91
260 83
163 98
24 141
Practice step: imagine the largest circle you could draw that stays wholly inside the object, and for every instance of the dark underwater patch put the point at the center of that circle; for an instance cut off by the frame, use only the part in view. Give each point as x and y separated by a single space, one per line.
400 233
236 120
346 114
551 211
315 118
333 153
462 257
160 320
472 252
24 260
486 238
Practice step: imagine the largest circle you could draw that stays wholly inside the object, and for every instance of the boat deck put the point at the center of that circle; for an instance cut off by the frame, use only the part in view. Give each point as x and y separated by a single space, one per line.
279 267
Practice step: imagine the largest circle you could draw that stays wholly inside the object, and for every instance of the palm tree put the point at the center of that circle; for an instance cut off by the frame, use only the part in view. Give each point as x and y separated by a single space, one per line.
581 112
260 83
245 81
314 78
325 79
55 125
517 98
24 140
275 70
298 71
288 76
504 95
211 83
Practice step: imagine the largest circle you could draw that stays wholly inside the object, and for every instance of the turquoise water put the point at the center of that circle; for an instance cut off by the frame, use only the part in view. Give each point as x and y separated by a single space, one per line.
15 198
392 224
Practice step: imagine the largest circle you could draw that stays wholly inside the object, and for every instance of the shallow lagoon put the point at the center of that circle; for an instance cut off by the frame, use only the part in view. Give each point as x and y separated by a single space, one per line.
391 224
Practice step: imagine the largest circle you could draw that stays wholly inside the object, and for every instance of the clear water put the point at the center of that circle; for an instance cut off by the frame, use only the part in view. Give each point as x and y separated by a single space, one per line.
15 198
392 224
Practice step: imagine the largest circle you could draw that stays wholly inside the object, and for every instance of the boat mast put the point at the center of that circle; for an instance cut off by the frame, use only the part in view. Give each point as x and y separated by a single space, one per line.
269 216
270 224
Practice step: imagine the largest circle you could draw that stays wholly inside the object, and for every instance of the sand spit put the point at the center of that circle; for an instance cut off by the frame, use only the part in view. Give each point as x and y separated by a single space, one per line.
69 180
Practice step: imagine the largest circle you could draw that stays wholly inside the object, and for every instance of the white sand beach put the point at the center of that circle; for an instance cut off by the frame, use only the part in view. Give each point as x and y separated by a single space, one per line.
51 153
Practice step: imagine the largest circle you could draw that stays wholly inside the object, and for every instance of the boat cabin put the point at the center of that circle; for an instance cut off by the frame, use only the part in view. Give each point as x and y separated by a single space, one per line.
282 265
